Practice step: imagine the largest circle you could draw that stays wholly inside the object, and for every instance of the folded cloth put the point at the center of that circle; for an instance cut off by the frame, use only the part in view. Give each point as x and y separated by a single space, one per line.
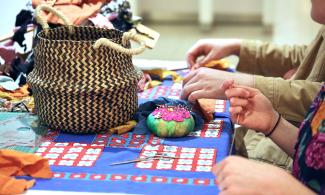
77 11
146 108
14 163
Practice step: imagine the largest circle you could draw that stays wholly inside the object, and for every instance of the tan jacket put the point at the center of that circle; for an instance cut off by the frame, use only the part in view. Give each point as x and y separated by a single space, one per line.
292 97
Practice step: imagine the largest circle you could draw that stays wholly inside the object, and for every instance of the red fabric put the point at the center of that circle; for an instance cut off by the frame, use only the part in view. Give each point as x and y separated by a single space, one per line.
76 11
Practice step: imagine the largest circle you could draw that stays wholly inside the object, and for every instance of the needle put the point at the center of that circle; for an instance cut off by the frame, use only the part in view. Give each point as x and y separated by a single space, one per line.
235 131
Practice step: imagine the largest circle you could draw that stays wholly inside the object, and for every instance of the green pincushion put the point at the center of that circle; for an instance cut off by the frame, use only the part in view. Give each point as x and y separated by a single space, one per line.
170 121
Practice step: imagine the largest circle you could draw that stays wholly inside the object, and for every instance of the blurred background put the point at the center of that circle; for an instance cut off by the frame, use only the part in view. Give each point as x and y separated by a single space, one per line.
182 22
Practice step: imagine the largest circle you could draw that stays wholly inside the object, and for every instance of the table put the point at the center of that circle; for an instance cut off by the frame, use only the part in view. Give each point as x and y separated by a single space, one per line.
81 162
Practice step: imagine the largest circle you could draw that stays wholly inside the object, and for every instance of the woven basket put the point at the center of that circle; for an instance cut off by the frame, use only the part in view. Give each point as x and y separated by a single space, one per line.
84 80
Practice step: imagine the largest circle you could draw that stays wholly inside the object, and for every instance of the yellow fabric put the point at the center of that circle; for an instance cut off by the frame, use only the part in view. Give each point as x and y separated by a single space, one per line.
218 64
18 94
164 73
290 97
123 128
13 163
152 84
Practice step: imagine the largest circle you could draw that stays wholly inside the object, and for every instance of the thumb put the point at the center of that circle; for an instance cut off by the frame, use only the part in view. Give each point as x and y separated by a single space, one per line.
206 59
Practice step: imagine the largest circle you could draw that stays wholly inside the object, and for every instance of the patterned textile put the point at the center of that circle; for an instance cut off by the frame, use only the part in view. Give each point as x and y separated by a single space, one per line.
309 163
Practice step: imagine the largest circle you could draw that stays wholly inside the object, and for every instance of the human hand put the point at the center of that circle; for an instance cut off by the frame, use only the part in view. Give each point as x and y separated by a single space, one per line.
249 107
204 83
211 49
237 175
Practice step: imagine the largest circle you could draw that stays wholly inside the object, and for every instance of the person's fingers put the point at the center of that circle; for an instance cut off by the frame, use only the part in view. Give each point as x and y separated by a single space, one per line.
193 53
225 183
190 88
195 66
237 92
195 95
235 118
235 109
251 90
189 77
227 84
207 58
217 168
235 101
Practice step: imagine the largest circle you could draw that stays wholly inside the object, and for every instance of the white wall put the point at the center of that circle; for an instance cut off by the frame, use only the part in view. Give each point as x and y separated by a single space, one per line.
292 22
190 6
8 11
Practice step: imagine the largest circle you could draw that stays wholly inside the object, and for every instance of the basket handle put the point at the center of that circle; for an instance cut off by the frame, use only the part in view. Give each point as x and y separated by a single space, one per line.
42 20
131 35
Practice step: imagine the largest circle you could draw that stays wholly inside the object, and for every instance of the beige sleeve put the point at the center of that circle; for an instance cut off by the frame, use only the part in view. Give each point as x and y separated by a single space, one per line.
291 98
265 59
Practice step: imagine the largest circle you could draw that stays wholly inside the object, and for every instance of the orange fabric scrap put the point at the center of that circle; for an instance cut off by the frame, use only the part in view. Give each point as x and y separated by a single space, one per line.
207 107
218 64
76 11
14 163
18 94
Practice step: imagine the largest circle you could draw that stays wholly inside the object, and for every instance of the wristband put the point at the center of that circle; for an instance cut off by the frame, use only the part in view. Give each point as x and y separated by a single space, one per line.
276 124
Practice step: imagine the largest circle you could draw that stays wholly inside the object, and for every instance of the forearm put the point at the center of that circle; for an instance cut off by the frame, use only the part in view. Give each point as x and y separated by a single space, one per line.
285 136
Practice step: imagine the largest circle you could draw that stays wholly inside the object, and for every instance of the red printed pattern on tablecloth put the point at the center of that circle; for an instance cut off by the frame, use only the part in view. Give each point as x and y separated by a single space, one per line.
190 159
211 129
220 106
135 178
70 154
127 140
172 92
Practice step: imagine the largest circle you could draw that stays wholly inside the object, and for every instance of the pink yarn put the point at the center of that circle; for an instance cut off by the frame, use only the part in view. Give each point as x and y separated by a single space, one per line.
169 113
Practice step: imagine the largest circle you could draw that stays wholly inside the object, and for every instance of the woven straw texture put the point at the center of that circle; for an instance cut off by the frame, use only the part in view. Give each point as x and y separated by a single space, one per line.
78 88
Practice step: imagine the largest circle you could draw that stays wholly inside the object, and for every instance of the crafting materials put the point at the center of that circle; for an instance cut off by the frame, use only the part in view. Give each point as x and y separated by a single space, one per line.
170 121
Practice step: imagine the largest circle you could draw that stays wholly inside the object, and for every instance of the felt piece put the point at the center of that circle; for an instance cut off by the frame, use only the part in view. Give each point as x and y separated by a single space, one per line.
146 108
7 53
76 11
14 163
220 65
120 15
101 21
22 19
19 66
207 108
124 128
10 185
162 74
17 94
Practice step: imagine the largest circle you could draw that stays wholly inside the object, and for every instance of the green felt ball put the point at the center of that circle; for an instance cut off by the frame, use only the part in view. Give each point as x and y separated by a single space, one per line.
163 128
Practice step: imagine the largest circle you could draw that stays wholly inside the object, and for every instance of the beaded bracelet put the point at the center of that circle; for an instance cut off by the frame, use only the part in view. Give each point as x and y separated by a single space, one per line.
276 124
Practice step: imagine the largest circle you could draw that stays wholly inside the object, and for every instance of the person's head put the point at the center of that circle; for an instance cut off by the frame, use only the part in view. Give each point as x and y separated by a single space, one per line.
318 11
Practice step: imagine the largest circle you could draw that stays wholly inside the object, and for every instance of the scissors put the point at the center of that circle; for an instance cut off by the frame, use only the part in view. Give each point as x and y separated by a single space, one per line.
158 156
